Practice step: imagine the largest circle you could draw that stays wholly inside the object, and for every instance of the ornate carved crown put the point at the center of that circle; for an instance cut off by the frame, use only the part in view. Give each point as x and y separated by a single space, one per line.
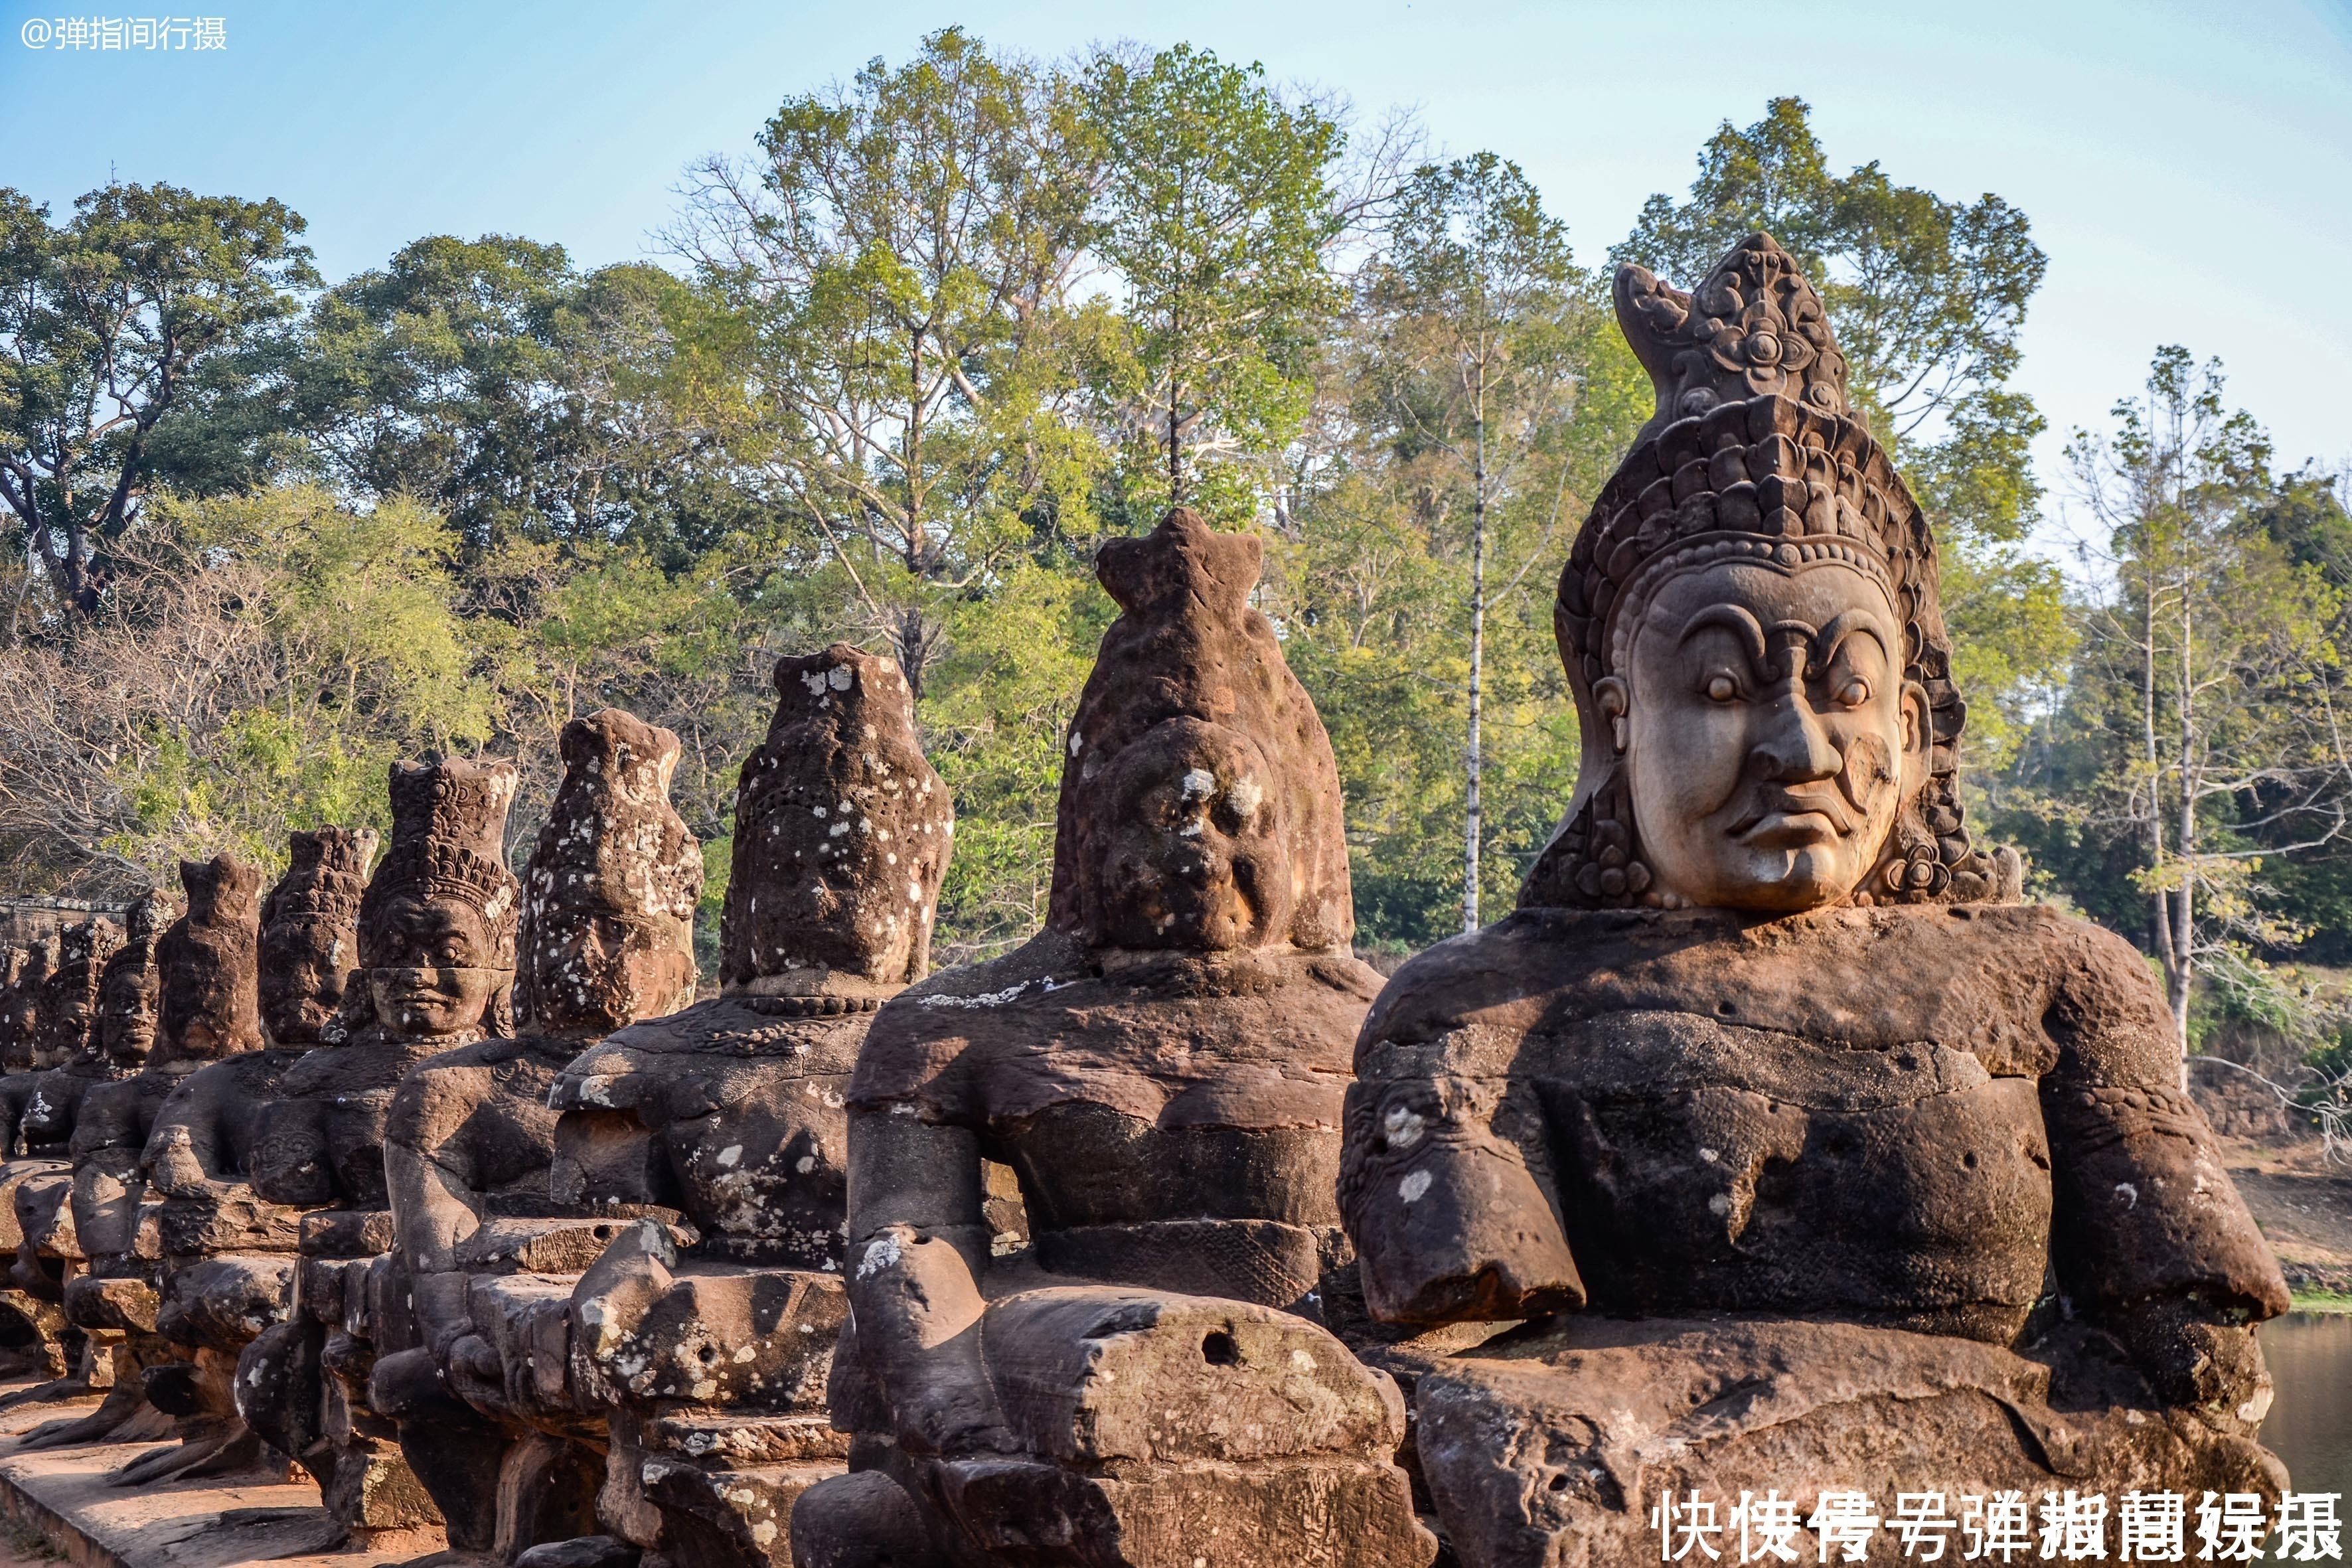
1755 454
448 831
1755 326
325 875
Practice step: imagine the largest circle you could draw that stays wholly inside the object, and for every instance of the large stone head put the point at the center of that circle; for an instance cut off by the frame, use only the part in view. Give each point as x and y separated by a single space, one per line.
129 991
1751 624
209 959
311 932
842 833
437 921
68 1022
1200 806
607 933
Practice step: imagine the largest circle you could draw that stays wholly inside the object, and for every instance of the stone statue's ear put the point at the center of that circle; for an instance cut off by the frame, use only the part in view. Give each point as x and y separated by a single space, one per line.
1610 694
1918 736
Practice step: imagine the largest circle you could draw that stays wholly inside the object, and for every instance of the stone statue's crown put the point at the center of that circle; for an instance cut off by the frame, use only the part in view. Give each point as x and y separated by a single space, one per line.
325 875
1755 326
221 890
449 836
842 834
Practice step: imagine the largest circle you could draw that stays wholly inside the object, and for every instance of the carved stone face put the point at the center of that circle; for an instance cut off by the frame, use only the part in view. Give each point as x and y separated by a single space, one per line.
1194 851
431 978
593 973
1769 737
302 985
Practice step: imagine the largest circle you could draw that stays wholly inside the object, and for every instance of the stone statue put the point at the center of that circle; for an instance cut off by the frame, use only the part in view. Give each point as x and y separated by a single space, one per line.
1163 1067
36 1186
1812 1158
29 1326
40 1109
20 1024
707 1359
437 952
17 997
69 1015
44 1104
606 938
198 988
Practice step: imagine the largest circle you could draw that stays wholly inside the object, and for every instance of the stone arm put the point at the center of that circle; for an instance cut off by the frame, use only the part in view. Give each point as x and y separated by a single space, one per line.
919 1246
1451 1221
2148 1234
435 1203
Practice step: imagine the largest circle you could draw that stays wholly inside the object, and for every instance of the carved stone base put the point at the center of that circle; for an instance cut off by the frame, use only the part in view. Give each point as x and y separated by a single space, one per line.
1551 1447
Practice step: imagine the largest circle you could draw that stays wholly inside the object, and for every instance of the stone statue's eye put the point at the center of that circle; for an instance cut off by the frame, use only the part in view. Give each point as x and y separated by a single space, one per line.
1854 692
1722 689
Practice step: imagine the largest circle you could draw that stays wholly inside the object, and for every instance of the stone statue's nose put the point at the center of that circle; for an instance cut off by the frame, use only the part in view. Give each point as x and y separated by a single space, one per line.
1793 747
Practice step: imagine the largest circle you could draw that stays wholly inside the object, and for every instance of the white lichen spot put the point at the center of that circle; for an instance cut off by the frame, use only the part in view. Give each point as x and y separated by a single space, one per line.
1719 1204
729 1154
1709 1156
1246 797
838 677
2129 1194
1403 1126
883 1254
1302 1360
1414 1185
1198 784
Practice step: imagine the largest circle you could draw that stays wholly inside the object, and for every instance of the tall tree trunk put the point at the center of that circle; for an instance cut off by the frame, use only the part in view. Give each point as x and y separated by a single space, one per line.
1473 750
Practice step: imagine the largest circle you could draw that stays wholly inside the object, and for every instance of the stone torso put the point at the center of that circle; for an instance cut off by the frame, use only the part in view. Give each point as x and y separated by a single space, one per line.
730 1113
320 1140
1174 1121
1891 1116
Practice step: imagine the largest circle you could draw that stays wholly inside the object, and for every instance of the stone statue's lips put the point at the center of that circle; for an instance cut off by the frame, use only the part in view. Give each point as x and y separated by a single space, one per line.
1781 814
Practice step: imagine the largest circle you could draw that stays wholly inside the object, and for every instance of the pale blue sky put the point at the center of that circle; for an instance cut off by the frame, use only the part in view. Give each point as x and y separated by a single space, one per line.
2187 166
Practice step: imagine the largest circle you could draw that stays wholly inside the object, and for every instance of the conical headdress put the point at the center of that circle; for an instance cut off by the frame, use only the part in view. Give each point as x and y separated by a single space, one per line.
448 838
1187 653
612 855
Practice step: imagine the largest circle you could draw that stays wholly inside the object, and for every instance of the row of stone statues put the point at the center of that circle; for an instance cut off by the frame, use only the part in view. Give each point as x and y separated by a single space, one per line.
1771 1143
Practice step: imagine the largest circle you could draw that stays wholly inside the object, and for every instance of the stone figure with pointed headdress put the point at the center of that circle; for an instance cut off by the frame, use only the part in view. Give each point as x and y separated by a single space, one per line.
1152 1380
606 938
1811 1157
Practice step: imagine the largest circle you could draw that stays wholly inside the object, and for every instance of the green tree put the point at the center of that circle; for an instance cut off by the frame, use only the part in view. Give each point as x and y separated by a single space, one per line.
1473 304
2206 707
146 302
255 664
1216 213
898 260
489 380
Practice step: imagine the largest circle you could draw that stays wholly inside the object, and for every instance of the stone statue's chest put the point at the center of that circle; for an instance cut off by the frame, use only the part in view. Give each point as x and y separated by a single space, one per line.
1707 1166
763 1173
1082 1163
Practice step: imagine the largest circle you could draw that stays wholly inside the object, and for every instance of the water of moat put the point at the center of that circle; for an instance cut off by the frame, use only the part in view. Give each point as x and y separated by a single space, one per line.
2310 1423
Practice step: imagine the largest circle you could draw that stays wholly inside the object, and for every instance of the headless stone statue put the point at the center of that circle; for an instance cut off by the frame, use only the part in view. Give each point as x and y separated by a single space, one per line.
708 1361
1812 1158
1163 1067
484 1259
436 945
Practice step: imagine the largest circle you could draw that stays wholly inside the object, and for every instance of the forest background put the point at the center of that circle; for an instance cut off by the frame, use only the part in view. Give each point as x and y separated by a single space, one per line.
910 358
